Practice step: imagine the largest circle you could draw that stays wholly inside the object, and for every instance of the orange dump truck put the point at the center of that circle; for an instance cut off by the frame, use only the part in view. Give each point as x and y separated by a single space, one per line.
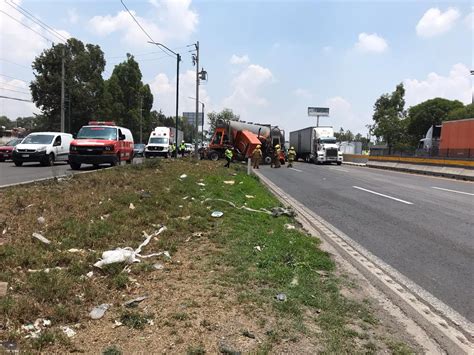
457 139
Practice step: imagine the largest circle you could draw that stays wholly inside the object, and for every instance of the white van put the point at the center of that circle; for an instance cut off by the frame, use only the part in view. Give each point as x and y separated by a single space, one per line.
43 147
160 141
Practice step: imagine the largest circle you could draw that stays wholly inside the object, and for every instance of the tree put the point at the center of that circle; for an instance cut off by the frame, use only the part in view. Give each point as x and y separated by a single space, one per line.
6 122
389 115
344 136
125 94
461 113
225 115
84 86
428 113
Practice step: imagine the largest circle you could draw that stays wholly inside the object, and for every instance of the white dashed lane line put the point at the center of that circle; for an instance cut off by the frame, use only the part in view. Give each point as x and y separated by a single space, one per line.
383 195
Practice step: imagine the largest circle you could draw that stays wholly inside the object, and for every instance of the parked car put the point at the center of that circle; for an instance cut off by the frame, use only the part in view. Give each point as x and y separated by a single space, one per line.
42 147
7 149
139 150
189 147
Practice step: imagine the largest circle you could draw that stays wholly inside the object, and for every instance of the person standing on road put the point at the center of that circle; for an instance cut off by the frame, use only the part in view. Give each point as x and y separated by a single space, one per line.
182 149
228 155
172 149
256 156
276 156
291 157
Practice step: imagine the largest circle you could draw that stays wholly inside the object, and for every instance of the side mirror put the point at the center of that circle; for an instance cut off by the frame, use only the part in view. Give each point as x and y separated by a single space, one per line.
122 137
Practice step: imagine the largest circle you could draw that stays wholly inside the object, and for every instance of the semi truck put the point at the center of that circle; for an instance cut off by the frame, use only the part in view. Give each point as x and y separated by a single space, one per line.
457 139
242 137
160 141
316 145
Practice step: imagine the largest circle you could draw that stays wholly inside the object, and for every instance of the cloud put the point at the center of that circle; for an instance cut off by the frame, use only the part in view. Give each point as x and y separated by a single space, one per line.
469 21
175 21
371 43
73 16
12 108
341 114
239 60
246 89
455 86
434 22
303 93
164 92
327 50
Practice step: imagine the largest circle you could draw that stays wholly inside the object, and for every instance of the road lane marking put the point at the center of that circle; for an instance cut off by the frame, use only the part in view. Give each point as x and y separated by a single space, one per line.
300 171
340 169
378 193
458 192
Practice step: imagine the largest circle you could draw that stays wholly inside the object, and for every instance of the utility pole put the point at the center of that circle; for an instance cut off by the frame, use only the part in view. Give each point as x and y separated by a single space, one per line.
141 117
62 94
197 100
178 59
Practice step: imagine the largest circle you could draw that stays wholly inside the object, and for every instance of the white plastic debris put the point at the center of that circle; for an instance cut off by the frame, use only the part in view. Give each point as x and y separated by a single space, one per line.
249 196
74 250
128 255
289 226
132 207
184 176
295 281
257 247
90 274
185 218
41 220
158 266
229 182
68 331
217 214
281 297
4 231
185 197
99 311
104 217
201 184
117 324
135 301
41 238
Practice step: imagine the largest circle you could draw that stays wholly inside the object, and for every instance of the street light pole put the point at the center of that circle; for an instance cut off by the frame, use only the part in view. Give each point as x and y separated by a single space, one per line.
197 100
178 59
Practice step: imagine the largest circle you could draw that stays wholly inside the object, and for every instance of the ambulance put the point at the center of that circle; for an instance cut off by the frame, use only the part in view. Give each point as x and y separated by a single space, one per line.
160 141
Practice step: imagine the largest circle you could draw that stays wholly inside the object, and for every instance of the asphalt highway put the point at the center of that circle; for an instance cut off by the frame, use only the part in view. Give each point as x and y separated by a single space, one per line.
11 174
421 226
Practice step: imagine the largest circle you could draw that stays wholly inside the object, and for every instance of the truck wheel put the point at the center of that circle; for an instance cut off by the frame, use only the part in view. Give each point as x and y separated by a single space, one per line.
268 160
75 166
116 162
18 163
339 163
214 156
49 160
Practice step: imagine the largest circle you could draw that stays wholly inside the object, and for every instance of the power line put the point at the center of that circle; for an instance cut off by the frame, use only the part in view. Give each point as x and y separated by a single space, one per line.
11 77
22 92
138 23
14 98
33 18
21 23
12 85
20 65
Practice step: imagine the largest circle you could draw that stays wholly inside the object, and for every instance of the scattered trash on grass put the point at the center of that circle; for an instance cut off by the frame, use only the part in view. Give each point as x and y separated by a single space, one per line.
135 301
229 182
3 289
247 334
68 331
289 226
127 254
185 197
262 210
4 231
41 238
249 196
295 281
217 214
184 176
41 220
104 217
47 270
257 247
99 311
281 297
196 234
185 218
74 250
201 184
132 207
158 266
35 329
117 324
279 211
90 274
144 194
9 346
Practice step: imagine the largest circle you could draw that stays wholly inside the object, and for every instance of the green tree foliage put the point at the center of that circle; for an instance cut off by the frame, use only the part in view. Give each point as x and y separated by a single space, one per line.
344 136
125 94
428 113
389 117
84 86
225 115
6 122
461 113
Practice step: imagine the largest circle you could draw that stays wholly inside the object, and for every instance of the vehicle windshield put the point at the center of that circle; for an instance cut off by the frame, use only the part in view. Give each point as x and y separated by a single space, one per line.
328 140
38 139
13 142
156 140
107 133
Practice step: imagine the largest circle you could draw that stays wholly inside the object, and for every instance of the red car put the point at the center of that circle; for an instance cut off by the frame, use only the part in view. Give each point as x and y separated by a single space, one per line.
7 149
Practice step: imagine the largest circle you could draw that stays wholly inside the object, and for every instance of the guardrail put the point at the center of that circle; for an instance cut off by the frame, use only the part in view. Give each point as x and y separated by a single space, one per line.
424 161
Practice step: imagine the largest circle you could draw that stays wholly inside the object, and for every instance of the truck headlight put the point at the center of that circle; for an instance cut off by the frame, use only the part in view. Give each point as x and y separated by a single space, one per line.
73 148
41 149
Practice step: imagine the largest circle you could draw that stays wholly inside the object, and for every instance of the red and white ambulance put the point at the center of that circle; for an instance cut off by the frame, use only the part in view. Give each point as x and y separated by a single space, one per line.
101 143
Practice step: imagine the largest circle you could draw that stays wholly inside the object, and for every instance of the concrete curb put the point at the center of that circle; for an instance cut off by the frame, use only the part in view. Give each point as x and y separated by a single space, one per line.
452 331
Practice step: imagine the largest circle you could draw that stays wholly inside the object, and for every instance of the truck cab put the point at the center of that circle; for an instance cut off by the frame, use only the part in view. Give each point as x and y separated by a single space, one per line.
327 151
101 143
159 143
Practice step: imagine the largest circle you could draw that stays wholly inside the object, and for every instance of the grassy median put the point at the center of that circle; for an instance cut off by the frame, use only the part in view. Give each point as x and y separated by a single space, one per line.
216 293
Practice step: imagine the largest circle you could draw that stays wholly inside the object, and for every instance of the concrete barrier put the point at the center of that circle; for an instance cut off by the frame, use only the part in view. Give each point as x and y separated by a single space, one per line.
425 161
356 158
448 171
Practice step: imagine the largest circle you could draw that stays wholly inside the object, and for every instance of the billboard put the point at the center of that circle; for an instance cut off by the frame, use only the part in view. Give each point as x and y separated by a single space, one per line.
190 117
318 111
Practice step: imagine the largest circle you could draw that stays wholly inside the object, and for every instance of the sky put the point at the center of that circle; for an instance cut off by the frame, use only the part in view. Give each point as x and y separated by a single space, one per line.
266 60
